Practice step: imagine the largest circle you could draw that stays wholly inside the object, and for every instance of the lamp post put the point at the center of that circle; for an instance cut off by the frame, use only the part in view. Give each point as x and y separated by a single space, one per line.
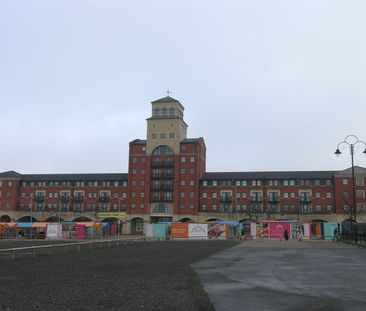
31 216
351 141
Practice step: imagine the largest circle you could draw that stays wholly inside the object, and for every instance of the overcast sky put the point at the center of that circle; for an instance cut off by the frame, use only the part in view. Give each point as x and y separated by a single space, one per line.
270 85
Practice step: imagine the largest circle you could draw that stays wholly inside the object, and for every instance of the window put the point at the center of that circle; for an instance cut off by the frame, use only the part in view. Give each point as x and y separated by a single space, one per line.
285 195
191 171
191 194
238 195
193 159
204 195
163 149
360 193
191 206
328 195
285 182
329 208
153 136
359 182
183 159
10 183
182 182
214 207
345 194
133 194
142 194
361 207
181 206
162 136
133 183
328 182
134 160
204 183
345 181
292 194
244 195
133 205
191 182
142 205
317 182
142 172
318 208
204 207
214 183
182 171
292 183
243 182
181 194
171 135
142 183
237 183
134 171
317 195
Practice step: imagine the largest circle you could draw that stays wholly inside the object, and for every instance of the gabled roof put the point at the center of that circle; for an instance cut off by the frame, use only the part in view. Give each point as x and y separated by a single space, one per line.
269 175
166 99
348 172
75 177
10 174
138 142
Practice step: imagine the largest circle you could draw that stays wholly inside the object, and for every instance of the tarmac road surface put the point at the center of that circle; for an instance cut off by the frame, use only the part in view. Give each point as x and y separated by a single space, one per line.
286 275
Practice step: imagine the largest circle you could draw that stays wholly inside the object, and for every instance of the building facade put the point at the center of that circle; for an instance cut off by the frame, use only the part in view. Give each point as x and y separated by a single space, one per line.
167 181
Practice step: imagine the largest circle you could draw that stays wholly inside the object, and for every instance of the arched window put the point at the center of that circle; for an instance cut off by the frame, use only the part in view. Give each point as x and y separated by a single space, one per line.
157 112
171 111
163 149
164 112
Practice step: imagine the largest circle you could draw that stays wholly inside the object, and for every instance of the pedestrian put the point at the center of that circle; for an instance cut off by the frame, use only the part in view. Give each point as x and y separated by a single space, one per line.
285 235
335 234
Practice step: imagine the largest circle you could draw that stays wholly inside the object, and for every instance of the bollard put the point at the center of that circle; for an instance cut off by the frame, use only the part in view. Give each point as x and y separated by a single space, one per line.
79 247
34 252
13 254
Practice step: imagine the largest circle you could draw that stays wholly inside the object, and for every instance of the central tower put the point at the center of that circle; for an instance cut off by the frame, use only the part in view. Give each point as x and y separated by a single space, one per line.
166 126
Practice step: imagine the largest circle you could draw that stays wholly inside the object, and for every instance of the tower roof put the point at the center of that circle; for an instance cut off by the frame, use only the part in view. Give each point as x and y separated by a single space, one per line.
166 99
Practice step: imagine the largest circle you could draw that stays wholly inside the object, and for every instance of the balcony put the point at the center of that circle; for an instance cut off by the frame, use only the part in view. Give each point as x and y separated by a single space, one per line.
161 199
162 164
65 198
256 199
78 198
162 176
39 198
305 199
104 198
274 199
226 199
161 209
162 187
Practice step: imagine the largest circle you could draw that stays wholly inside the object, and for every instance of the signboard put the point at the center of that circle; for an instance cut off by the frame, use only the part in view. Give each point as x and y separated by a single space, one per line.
216 231
111 214
179 230
54 231
197 231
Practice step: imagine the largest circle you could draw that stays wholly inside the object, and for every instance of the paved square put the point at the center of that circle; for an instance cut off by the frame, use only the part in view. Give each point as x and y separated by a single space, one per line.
286 275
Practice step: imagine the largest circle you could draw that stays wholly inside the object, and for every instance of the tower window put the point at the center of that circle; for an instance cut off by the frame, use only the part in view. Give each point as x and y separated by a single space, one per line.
171 111
163 149
171 135
164 112
162 135
157 112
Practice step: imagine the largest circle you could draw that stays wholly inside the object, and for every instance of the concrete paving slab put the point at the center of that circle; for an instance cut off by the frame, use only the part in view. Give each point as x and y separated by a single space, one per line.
286 275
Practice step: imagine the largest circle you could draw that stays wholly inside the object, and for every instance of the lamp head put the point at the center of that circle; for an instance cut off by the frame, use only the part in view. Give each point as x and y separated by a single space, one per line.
338 153
364 151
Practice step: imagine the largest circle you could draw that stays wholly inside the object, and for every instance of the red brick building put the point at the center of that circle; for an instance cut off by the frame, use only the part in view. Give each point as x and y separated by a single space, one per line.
167 181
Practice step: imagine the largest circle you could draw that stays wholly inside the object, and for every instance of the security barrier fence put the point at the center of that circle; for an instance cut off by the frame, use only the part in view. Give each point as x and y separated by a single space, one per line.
354 233
54 249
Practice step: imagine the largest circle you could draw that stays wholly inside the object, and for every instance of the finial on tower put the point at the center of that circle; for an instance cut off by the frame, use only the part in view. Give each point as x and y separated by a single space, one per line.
169 92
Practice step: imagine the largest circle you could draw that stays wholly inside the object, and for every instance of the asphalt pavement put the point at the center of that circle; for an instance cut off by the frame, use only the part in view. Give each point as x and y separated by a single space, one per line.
286 275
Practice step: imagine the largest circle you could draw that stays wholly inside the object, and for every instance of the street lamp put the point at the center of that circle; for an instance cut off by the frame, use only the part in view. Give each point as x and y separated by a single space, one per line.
31 217
351 141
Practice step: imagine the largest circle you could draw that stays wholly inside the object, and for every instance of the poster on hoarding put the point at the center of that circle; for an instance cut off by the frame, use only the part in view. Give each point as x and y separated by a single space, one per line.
197 231
179 230
262 230
277 229
216 231
54 231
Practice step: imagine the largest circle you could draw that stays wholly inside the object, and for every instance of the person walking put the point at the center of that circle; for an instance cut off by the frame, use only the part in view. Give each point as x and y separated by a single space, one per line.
285 235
